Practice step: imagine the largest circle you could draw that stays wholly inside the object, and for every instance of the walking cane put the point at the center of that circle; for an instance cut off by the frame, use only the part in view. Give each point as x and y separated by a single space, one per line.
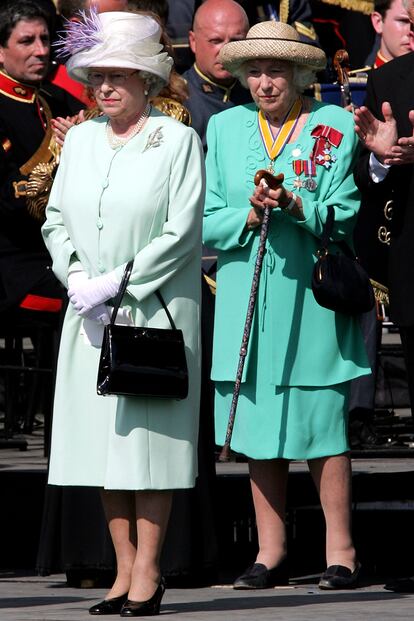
273 182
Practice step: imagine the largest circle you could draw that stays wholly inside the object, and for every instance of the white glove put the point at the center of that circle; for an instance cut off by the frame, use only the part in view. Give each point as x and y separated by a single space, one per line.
87 293
99 314
76 277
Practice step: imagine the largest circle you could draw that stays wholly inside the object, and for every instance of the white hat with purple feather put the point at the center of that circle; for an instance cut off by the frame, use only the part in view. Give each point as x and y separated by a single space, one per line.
114 39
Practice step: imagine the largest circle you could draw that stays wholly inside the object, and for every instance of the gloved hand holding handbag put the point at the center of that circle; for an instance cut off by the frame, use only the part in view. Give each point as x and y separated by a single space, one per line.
87 293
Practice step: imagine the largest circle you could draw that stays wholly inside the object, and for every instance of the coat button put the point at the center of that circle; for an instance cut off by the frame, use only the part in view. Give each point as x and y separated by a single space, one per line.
105 182
101 267
99 223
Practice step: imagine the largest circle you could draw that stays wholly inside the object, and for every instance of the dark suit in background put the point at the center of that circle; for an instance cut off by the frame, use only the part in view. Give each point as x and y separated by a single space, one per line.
394 82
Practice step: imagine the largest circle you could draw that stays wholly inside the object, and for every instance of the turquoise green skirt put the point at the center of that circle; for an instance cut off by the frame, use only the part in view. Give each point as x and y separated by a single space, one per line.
287 422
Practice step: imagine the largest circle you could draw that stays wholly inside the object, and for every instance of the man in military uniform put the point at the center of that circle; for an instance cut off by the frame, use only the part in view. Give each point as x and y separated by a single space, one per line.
391 21
392 24
212 89
27 154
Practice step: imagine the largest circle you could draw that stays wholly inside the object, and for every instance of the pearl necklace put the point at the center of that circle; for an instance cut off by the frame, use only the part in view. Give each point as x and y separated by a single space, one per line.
119 141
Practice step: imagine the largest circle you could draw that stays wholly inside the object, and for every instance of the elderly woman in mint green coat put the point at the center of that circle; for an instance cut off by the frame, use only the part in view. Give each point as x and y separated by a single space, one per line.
130 185
301 357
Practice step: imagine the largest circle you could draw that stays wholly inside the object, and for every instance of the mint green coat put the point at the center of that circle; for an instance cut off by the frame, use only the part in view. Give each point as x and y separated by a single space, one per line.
305 345
144 202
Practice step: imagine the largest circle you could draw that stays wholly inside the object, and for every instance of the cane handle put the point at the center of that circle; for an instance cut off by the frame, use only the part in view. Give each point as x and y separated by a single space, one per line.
273 181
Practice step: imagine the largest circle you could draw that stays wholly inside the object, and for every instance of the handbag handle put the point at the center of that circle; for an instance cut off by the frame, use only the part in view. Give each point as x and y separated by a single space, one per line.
326 234
328 227
121 292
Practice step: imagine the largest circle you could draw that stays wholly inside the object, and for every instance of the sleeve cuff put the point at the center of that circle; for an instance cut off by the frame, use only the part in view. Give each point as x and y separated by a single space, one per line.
377 170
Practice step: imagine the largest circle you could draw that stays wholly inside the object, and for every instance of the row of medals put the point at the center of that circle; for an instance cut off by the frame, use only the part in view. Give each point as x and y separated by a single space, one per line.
309 183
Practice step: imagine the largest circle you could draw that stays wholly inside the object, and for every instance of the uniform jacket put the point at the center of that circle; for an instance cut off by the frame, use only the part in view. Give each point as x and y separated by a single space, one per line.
23 256
394 82
312 345
207 98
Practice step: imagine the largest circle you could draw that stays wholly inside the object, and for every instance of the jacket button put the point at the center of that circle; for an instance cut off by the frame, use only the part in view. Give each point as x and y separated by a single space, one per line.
99 224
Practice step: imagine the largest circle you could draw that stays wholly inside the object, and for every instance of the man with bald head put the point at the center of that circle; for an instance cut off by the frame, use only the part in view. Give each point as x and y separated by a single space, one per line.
212 88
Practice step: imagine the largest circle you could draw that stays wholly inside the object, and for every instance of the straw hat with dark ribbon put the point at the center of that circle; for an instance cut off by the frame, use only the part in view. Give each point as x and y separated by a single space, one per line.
271 40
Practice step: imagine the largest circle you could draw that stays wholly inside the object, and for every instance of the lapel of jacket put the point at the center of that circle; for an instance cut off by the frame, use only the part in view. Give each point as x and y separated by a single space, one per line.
403 98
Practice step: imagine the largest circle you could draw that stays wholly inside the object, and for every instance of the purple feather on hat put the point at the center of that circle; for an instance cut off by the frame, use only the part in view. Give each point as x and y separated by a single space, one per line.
80 34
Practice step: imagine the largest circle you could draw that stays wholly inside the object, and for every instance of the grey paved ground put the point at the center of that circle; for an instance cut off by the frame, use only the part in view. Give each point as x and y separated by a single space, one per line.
31 598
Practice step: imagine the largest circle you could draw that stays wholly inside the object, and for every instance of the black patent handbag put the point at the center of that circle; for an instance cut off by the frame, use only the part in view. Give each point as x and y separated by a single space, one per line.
339 282
142 362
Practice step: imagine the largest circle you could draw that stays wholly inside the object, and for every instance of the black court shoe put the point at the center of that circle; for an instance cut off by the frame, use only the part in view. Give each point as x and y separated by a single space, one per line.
259 577
144 609
400 585
111 606
340 577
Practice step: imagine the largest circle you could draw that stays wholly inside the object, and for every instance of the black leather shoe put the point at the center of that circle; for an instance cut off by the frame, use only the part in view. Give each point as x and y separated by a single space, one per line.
109 606
259 577
340 577
144 609
401 585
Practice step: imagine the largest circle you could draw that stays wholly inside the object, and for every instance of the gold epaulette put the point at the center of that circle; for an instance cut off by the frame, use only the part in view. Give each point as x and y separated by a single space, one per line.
306 31
380 292
40 170
361 6
172 108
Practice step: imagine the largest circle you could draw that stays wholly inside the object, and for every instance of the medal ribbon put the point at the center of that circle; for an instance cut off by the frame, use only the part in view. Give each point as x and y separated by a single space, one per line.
333 136
325 138
306 166
274 145
309 168
298 166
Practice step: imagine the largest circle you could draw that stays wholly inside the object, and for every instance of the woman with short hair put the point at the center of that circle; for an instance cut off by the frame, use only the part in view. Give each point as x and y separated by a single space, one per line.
301 357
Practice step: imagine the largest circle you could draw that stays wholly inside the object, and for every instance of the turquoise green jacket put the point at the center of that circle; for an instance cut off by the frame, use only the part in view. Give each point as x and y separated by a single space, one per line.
312 346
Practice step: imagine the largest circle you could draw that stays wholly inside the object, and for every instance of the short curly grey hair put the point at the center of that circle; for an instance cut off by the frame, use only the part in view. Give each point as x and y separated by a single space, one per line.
153 83
303 77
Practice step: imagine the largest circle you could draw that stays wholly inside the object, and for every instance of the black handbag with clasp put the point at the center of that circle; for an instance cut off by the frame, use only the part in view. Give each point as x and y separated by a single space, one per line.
339 282
142 362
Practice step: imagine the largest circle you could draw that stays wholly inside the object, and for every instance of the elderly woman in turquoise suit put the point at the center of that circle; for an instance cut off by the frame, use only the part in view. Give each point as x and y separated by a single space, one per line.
130 185
301 357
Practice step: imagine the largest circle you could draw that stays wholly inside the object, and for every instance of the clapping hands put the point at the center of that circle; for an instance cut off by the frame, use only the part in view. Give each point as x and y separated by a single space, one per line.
381 137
